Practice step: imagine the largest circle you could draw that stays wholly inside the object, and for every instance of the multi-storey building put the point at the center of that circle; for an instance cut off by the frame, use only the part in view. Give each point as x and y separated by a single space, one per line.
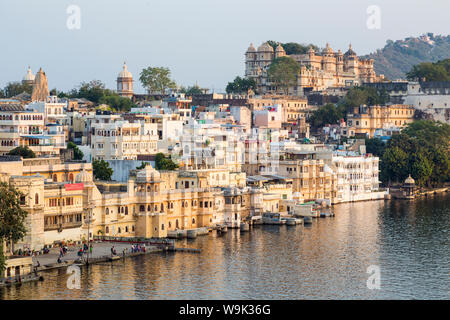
123 140
318 71
367 119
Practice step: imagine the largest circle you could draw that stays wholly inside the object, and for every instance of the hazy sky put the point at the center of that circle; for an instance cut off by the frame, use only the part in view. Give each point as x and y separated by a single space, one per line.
201 41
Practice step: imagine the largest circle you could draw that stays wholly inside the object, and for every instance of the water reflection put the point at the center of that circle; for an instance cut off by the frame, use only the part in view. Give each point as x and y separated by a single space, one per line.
327 260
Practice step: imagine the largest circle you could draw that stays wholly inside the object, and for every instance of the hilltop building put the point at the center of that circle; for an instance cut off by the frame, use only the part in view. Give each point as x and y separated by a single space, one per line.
318 70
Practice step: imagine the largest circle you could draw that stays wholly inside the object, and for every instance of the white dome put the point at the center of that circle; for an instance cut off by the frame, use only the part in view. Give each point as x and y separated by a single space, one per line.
29 76
125 73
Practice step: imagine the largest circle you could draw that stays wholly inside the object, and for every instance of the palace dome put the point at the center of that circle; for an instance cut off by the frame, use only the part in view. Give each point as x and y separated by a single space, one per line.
29 76
328 50
83 177
350 51
280 48
265 47
125 73
251 48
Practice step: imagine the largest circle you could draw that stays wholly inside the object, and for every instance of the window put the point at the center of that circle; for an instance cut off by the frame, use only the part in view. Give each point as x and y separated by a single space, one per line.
36 199
107 230
22 200
193 220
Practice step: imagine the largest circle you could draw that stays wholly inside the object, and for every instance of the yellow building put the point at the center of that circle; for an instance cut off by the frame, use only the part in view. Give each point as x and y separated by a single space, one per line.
367 119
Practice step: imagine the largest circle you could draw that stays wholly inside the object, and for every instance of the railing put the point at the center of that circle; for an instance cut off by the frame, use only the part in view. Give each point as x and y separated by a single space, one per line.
150 241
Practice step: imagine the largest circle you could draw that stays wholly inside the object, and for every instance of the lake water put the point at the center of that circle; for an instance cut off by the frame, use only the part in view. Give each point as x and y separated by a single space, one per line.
409 241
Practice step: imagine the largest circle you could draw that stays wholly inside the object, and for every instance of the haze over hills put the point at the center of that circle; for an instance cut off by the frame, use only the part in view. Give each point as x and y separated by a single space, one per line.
398 57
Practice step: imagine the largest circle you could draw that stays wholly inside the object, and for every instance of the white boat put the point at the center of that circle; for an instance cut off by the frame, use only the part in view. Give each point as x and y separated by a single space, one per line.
306 210
272 218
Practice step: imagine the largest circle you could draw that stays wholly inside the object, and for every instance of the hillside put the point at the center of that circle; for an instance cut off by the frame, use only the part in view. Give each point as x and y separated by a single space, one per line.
397 58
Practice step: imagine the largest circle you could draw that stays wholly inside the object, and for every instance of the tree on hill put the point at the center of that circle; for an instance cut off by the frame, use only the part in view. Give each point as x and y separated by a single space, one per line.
25 152
357 96
157 79
102 170
164 163
293 47
438 71
77 153
12 218
283 73
241 85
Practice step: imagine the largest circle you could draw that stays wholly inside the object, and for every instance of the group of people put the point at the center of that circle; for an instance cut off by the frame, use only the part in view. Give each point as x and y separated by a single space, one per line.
137 248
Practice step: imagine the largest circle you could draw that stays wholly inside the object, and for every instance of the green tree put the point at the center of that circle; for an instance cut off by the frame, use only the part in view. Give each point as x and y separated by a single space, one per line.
25 152
422 150
438 71
156 80
77 153
12 218
327 114
395 165
241 85
92 91
164 163
357 96
375 146
102 170
142 166
14 88
283 73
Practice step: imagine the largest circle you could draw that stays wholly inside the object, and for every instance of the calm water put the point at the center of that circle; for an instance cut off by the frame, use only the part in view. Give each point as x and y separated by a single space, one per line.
328 260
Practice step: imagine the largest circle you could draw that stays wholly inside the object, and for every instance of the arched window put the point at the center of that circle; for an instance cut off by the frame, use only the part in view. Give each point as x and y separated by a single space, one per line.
36 199
55 178
71 177
193 220
107 230
107 210
149 208
141 208
126 210
162 207
126 229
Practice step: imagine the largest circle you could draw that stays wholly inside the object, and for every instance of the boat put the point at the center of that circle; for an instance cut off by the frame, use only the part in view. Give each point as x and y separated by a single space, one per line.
191 234
113 258
272 218
326 214
244 227
306 210
293 221
307 220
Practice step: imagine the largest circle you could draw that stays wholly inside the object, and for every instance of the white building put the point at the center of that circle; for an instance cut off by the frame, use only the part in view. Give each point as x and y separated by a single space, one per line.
121 140
356 177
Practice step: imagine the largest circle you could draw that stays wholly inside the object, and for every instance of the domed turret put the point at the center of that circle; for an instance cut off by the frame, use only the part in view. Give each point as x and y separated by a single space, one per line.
328 50
350 51
83 177
265 47
279 52
409 180
251 48
29 77
125 82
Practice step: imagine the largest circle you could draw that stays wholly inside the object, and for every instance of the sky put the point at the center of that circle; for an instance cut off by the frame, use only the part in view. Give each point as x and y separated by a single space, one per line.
200 41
